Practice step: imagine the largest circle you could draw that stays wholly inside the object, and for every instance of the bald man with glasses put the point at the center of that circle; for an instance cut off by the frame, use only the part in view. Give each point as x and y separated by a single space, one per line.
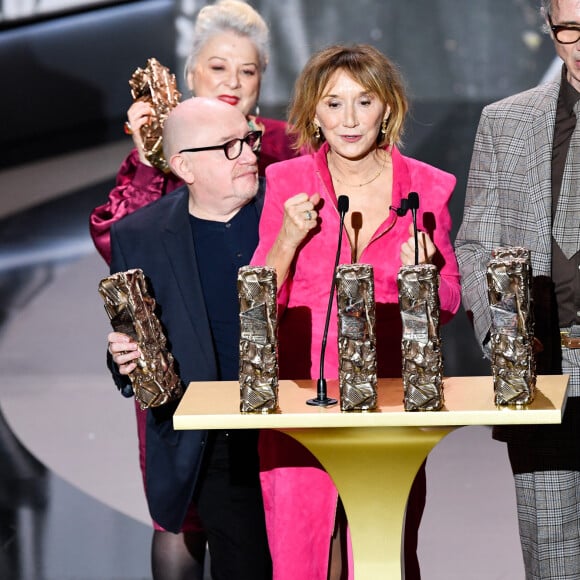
190 244
524 190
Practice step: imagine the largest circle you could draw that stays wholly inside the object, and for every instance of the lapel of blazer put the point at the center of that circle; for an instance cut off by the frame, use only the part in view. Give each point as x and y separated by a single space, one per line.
539 170
178 244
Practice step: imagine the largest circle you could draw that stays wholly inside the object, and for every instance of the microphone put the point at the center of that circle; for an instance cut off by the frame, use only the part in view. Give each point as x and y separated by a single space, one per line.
413 205
322 399
401 211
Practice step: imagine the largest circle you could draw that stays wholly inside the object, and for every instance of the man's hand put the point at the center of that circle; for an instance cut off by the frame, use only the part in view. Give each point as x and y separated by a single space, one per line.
124 351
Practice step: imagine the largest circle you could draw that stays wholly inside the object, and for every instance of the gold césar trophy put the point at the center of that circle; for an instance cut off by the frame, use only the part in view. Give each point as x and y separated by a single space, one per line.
357 349
131 311
258 346
422 368
509 280
156 85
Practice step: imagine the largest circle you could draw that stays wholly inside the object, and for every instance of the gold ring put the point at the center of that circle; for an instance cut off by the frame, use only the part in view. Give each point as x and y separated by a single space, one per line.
127 128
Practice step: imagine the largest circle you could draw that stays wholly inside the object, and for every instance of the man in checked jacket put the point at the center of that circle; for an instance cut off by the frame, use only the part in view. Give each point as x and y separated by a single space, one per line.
524 190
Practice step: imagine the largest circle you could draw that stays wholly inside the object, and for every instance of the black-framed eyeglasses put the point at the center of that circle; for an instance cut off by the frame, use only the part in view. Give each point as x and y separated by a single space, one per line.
564 34
233 148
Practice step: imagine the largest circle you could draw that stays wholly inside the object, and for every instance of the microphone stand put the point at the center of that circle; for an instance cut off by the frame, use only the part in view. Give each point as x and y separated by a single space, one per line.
322 399
413 205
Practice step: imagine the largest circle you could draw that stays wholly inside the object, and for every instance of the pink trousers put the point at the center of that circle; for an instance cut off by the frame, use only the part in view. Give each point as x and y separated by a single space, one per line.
300 502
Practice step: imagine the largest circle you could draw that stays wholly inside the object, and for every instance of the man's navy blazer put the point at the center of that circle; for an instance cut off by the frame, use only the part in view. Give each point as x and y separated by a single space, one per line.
158 240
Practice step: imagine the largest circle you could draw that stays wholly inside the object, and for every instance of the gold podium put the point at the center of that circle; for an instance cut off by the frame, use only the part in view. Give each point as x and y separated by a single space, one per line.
372 456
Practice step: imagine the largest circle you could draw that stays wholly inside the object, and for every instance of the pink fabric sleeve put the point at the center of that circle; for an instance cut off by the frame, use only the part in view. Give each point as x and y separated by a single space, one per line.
136 186
449 280
449 292
270 223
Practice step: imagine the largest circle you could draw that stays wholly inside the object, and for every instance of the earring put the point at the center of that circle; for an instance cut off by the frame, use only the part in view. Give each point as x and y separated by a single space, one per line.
317 132
384 127
257 110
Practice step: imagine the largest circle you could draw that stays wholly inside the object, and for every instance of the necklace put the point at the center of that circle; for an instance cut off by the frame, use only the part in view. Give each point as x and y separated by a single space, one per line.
373 178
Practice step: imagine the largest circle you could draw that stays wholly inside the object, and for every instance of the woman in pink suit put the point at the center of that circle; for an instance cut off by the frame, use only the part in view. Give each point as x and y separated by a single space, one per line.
348 108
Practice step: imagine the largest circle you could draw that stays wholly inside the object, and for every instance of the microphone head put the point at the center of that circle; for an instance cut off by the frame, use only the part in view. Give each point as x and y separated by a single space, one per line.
342 204
413 200
401 211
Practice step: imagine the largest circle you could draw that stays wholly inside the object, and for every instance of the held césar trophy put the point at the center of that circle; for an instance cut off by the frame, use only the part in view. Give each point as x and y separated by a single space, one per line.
421 344
131 311
357 352
511 336
156 85
257 288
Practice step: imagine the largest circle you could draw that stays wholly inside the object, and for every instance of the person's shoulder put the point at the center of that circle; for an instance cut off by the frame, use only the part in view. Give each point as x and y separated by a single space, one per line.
531 102
300 163
160 206
425 171
151 214
272 125
277 142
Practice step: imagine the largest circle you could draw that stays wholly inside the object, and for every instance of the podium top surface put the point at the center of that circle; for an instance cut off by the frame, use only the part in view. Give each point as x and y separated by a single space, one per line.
468 401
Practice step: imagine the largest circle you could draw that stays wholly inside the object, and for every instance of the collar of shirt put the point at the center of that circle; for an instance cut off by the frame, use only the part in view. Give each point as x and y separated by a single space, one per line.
568 94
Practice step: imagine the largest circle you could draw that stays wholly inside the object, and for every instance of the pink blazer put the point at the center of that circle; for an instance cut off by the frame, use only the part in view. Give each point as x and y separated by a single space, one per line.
303 298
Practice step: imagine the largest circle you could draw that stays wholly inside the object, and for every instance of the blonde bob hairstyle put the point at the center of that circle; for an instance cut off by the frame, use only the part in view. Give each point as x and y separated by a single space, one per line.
368 67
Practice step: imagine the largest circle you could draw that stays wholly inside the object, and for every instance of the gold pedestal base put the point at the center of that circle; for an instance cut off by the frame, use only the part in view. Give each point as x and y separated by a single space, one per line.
373 469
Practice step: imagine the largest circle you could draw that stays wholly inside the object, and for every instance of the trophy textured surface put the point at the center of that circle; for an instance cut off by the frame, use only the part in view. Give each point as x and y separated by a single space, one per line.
422 367
509 279
357 349
257 288
156 85
132 311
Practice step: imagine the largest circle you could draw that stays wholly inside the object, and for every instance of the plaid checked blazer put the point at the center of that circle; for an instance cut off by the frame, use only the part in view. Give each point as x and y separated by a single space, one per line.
509 202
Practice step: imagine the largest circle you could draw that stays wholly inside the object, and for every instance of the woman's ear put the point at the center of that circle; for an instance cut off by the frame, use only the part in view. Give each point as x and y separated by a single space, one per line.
387 113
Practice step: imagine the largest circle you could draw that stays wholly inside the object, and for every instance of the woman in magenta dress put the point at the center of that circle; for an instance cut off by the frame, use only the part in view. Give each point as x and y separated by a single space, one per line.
348 109
229 55
227 60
